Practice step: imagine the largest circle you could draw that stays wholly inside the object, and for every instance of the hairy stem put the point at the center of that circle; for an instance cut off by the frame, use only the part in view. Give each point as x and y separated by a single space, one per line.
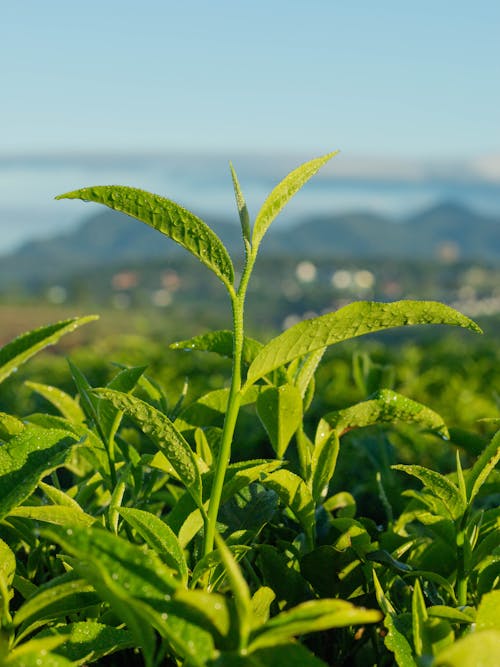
233 406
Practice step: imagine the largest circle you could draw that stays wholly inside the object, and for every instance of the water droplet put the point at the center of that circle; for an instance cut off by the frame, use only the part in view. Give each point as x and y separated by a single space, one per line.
114 576
164 616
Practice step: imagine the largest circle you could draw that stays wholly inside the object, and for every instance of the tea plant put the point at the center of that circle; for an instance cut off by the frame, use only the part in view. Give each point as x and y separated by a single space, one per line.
155 534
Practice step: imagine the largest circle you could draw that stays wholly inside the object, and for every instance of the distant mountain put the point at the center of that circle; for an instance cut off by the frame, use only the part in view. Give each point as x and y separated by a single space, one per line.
449 230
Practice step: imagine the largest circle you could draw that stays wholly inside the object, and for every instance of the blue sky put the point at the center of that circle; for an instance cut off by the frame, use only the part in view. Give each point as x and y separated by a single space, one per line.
418 80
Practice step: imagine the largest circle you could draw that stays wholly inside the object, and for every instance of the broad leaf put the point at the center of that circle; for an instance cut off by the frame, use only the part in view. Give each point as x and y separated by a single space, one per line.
384 406
282 194
280 411
164 434
312 616
353 320
56 600
25 346
26 459
87 641
61 515
293 493
476 648
10 426
483 466
323 462
488 617
159 536
37 653
67 406
440 486
220 342
167 217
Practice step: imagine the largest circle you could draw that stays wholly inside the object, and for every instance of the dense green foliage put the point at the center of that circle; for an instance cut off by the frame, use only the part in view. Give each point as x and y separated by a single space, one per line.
298 515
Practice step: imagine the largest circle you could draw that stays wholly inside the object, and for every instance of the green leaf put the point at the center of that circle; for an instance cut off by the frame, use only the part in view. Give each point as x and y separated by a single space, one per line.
137 585
293 493
10 426
483 467
26 345
242 207
108 416
220 342
383 406
7 572
26 459
56 600
167 217
58 514
439 485
452 614
159 536
419 618
488 616
397 642
280 411
261 605
37 653
323 462
211 611
88 641
290 654
477 648
312 616
353 320
283 192
164 434
239 587
67 406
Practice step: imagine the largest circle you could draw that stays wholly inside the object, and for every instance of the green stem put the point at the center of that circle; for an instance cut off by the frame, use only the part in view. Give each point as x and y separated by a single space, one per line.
233 406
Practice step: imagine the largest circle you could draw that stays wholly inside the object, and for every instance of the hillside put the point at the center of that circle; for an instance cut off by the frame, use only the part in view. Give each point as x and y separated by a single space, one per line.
113 238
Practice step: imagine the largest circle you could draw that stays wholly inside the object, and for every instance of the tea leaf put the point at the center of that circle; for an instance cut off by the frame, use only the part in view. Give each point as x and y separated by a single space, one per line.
383 406
311 616
164 434
353 320
419 617
167 217
58 514
159 536
87 641
10 426
483 466
242 207
440 486
488 617
56 600
211 611
477 648
37 653
22 348
280 411
67 406
294 493
26 459
220 342
323 462
282 193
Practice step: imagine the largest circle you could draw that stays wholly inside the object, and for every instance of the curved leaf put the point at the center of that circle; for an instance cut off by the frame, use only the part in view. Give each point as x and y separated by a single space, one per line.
283 192
280 411
439 485
312 616
293 493
67 406
382 407
355 319
26 459
167 217
220 342
486 462
26 345
164 434
159 536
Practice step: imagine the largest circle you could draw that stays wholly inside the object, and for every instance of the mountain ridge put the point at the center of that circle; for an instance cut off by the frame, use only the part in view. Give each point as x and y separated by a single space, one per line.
111 237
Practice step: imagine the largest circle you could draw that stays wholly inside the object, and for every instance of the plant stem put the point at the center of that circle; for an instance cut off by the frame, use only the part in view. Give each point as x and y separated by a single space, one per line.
233 405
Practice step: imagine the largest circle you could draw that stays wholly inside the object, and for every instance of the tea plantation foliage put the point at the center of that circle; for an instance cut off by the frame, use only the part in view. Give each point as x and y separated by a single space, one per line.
292 502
